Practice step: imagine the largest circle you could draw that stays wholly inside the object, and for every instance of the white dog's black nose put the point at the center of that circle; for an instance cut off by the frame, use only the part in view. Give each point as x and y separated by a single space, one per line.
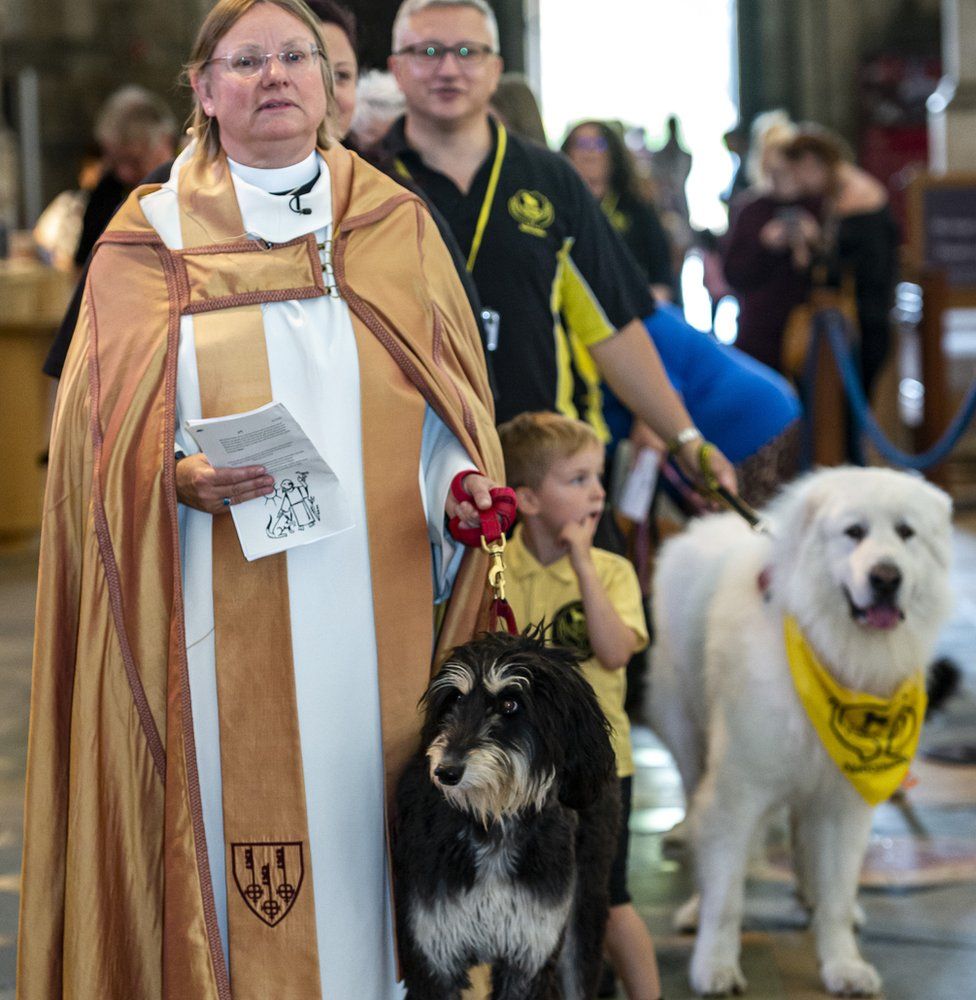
885 579
449 774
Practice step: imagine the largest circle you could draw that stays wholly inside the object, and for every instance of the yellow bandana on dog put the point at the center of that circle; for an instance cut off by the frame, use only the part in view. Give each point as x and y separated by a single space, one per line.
872 740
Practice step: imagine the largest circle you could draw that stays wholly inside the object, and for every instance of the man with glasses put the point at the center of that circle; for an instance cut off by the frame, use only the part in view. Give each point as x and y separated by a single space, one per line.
543 257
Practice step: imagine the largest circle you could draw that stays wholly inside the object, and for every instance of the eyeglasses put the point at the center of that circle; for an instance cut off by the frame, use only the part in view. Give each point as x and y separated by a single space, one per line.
590 143
427 56
250 61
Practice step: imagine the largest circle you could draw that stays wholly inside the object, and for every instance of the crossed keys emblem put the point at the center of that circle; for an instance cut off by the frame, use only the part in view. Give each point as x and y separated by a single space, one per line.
269 877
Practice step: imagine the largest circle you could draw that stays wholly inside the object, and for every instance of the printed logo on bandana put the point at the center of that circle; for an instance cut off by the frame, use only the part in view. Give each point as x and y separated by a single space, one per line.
569 628
871 740
878 739
532 210
293 508
269 877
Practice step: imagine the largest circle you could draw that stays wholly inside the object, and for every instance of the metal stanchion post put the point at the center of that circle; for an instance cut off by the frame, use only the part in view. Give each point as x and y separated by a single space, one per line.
829 408
937 407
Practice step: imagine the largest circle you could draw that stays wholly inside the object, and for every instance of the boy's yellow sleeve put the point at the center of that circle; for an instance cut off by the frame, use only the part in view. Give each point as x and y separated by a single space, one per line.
623 590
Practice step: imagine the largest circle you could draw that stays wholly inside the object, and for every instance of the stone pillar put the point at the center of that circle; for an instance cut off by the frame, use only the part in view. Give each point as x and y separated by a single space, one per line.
952 108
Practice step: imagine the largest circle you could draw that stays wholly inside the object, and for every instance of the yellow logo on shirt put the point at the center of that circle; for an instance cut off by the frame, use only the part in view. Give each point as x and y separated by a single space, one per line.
532 210
569 628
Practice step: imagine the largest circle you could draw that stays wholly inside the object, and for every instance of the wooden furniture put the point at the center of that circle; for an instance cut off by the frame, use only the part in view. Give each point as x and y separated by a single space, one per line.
940 254
33 298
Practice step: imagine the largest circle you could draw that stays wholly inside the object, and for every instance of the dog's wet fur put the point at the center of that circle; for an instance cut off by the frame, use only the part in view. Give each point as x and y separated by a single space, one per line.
506 824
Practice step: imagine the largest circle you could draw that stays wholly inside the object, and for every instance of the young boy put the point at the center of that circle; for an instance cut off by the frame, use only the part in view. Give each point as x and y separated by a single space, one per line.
593 601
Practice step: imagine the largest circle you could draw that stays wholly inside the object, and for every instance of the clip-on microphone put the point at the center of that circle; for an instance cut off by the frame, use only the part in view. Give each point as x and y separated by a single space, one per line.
295 204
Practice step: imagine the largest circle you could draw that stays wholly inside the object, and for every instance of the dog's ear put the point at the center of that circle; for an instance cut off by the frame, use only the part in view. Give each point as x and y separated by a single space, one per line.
793 512
453 679
588 758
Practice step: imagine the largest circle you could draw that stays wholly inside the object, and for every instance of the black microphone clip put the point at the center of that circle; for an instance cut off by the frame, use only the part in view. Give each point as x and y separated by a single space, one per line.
295 204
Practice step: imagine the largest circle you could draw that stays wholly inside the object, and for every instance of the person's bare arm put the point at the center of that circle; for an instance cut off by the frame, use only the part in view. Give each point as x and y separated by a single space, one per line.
631 366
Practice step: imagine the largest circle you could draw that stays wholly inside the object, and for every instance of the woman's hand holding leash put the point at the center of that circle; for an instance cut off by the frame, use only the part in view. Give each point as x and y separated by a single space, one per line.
468 495
201 486
479 488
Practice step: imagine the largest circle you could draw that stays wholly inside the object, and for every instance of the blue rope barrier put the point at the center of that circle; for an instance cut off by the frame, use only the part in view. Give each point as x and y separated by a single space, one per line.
831 324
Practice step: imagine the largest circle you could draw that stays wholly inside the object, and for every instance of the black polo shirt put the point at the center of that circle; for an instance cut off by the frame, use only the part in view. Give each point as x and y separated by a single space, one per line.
640 228
549 264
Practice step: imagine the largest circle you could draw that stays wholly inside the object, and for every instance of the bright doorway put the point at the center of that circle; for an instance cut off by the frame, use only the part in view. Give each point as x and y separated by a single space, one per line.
639 61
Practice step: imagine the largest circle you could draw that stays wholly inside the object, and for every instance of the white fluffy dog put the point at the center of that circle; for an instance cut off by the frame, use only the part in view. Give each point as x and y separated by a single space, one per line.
859 558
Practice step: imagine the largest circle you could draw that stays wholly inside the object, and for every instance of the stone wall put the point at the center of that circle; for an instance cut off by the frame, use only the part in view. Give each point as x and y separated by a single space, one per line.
82 50
804 55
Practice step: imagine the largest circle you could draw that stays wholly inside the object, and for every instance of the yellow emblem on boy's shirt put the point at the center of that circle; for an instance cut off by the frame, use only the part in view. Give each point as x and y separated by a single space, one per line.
569 628
871 740
532 210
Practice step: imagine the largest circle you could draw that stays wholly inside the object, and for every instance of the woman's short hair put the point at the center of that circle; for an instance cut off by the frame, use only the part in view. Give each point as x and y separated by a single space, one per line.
379 102
818 142
133 115
410 7
769 130
222 17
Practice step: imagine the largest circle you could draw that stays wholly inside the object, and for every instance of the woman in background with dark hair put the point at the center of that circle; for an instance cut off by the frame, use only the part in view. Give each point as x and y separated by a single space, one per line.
603 161
860 235
339 32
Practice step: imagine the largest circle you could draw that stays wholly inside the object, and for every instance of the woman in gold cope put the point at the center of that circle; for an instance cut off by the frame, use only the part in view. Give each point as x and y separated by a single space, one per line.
212 738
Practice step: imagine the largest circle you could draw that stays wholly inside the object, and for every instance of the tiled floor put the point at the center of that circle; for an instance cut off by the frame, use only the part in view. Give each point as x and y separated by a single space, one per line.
17 573
922 940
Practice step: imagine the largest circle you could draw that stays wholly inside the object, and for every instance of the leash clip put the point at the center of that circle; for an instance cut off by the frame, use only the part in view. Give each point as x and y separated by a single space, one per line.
496 568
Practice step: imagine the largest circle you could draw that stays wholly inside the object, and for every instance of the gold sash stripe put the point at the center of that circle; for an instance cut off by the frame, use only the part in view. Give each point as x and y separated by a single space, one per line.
272 940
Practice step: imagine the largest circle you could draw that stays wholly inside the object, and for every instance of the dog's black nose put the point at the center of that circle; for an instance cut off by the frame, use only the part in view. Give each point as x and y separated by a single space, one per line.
449 774
885 579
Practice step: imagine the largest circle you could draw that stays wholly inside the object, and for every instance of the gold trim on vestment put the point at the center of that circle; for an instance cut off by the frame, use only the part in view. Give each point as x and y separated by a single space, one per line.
272 942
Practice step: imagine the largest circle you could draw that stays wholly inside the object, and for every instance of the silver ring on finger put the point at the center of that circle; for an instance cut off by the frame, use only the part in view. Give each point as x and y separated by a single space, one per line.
226 501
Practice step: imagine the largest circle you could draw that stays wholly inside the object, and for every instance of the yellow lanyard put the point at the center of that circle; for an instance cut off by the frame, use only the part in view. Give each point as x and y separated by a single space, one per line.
496 169
616 218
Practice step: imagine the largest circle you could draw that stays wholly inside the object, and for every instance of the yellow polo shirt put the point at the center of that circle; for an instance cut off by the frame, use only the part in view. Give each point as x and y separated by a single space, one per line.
552 593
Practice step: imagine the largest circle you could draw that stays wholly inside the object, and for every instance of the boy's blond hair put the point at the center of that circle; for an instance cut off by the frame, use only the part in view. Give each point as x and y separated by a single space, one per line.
533 441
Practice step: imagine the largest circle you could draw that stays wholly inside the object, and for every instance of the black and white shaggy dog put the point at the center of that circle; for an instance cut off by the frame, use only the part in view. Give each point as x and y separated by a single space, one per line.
506 825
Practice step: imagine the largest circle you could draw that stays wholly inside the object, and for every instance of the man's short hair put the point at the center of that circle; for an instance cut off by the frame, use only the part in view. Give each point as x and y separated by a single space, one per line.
531 443
410 7
133 115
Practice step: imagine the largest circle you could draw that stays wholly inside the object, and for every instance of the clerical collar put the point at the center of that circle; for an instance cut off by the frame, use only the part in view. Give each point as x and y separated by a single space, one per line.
275 219
275 179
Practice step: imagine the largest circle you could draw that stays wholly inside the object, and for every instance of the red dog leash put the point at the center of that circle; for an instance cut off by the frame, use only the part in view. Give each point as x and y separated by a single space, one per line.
495 521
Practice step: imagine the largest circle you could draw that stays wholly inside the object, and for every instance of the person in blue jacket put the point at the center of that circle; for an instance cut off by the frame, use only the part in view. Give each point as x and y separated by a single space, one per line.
748 410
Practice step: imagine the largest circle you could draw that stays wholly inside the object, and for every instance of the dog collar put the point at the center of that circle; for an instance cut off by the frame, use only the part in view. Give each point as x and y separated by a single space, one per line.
871 740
